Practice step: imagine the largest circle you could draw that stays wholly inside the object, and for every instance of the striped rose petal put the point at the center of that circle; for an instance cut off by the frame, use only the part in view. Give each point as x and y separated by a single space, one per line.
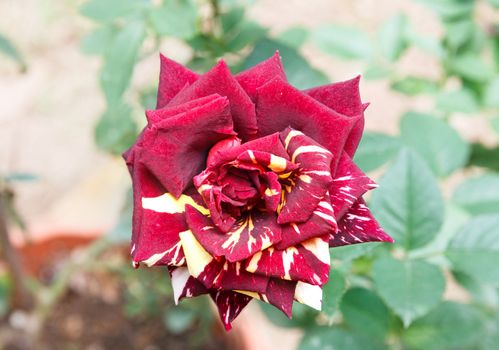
310 183
251 234
307 262
358 226
229 305
349 184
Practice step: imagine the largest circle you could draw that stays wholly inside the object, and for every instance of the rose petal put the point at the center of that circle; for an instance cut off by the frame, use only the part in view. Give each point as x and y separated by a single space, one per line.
229 305
175 149
349 184
321 223
157 115
226 151
220 81
358 226
234 277
172 78
312 180
251 79
344 97
308 294
184 285
249 235
202 266
308 262
280 105
280 293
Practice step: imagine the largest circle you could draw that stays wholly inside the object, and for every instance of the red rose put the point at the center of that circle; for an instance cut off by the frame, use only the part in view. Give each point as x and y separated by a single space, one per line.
242 183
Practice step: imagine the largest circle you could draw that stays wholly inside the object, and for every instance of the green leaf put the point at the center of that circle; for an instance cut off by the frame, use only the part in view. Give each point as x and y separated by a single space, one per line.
491 97
484 157
332 292
491 338
119 61
325 338
108 10
450 9
365 313
475 249
116 130
462 100
471 66
5 290
434 140
21 177
412 86
249 33
175 18
428 44
232 19
294 37
376 71
352 251
479 194
409 288
408 203
298 70
458 33
375 149
97 41
494 3
179 319
481 293
343 42
392 37
449 326
8 49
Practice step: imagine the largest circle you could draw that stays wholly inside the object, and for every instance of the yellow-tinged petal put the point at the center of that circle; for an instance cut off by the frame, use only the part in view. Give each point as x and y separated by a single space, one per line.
196 256
167 203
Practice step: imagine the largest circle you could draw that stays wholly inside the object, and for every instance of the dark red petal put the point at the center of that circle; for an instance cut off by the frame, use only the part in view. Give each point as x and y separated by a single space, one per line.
308 262
220 81
234 277
226 151
312 180
249 235
184 285
321 223
172 78
251 79
280 105
175 149
349 184
229 305
271 191
358 226
344 97
157 115
280 293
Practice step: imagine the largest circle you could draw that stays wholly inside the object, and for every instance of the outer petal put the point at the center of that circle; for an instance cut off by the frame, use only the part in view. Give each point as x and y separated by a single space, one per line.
174 150
358 226
234 277
200 263
280 105
184 285
172 78
308 262
309 186
251 79
344 97
321 223
229 305
220 81
256 232
349 184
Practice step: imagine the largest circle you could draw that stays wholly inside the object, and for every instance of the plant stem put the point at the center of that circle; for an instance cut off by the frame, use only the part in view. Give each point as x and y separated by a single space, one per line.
21 296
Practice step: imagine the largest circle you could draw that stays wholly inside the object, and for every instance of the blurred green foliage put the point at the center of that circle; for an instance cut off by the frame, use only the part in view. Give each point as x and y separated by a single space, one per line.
379 296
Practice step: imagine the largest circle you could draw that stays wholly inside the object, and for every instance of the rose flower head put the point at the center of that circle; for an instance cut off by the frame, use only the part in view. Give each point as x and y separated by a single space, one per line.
242 183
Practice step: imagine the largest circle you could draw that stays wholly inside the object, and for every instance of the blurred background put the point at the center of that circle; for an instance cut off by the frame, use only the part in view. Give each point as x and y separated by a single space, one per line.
75 78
